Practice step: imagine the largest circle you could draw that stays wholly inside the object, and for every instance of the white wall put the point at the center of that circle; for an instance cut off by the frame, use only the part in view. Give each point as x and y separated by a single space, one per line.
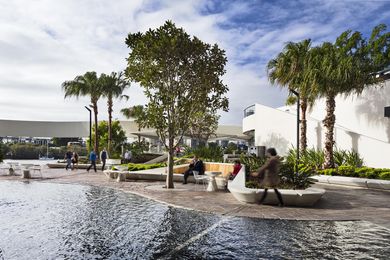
360 125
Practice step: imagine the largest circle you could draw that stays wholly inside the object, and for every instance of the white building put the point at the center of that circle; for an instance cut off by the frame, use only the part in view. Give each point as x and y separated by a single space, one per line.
360 125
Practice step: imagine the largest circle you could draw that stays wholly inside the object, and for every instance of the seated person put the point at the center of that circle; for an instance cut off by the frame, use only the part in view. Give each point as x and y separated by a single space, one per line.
195 165
236 169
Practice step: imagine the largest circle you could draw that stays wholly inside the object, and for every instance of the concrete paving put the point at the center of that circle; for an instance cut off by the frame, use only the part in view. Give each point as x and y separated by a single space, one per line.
339 202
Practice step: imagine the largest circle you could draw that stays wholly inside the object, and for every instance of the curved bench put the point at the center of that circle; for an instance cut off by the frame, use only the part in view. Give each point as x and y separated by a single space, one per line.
303 198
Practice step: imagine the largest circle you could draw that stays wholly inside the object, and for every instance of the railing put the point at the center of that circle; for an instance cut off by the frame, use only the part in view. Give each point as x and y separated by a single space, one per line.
249 110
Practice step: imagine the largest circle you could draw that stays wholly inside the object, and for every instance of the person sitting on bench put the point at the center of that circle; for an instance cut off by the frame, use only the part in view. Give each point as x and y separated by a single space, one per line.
195 165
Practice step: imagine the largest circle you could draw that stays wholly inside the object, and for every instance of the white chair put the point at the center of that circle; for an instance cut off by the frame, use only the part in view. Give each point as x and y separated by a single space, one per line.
15 166
200 178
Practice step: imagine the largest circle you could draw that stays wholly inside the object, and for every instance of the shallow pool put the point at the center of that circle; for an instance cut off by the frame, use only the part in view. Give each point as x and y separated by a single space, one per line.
62 221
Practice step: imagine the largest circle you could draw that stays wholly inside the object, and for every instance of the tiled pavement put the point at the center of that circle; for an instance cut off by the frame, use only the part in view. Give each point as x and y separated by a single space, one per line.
339 202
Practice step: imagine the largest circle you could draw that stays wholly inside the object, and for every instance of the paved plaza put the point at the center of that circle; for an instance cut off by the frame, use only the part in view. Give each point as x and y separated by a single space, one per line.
339 202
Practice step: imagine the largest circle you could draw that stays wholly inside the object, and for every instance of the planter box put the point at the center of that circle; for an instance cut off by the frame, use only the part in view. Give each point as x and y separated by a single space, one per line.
302 198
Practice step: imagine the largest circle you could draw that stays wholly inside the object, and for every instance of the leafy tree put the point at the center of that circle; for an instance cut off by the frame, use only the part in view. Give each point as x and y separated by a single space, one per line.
86 85
136 112
203 126
2 150
180 76
112 87
290 69
118 137
348 66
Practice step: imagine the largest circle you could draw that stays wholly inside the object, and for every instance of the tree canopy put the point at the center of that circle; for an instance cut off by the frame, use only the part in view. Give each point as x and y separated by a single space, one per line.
180 76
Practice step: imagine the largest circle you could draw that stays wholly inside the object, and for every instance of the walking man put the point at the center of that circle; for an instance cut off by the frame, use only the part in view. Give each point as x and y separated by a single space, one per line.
92 158
68 158
103 157
269 175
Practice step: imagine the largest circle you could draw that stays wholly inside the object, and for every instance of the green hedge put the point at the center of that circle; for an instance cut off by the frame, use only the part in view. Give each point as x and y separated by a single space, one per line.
138 167
362 172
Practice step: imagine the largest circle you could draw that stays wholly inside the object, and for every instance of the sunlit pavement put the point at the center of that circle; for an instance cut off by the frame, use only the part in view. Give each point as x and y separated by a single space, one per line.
339 202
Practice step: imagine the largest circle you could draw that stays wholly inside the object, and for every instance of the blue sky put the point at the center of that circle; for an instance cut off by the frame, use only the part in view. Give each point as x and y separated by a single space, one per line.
44 42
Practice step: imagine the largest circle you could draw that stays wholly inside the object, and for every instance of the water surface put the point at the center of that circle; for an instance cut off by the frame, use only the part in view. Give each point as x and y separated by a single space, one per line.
63 221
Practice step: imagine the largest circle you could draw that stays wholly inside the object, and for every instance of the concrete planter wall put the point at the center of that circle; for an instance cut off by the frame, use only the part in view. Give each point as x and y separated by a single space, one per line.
302 198
351 181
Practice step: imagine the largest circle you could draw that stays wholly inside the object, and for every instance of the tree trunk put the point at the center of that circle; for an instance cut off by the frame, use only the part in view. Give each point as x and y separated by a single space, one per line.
329 123
109 105
169 181
95 112
303 125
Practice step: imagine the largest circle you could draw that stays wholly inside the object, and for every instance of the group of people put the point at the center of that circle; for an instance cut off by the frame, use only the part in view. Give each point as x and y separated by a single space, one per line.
72 159
93 157
267 175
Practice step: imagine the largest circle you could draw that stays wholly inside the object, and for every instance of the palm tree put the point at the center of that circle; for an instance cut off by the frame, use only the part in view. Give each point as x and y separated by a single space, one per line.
86 85
136 112
290 69
348 66
112 87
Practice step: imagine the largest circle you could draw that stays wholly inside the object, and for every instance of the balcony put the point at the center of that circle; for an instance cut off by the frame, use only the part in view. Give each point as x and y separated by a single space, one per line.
249 111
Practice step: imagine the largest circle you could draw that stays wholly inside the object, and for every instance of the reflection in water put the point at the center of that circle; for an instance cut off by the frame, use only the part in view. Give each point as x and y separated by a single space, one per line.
55 221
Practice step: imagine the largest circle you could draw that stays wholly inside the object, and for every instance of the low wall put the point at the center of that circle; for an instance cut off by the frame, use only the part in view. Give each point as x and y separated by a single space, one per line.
351 181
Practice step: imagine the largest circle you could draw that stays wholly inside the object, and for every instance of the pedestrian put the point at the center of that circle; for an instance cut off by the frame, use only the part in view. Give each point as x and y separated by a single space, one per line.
103 157
68 158
268 175
92 158
127 156
75 160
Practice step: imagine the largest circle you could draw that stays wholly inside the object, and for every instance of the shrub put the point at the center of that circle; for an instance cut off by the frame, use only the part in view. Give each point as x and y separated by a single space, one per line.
331 172
139 167
252 184
300 180
347 170
362 171
207 153
353 158
385 175
252 162
372 173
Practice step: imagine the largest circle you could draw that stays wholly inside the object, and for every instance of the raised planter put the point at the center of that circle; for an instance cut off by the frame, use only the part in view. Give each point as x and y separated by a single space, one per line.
351 181
302 198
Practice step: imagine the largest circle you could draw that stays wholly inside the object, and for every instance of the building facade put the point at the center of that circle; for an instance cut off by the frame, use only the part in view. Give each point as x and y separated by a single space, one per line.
360 125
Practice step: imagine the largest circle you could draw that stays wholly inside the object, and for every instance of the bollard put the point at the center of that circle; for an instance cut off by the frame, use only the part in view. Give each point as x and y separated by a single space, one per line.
121 177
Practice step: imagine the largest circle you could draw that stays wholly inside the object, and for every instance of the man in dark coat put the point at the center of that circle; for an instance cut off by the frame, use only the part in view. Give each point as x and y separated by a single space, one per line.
195 165
269 175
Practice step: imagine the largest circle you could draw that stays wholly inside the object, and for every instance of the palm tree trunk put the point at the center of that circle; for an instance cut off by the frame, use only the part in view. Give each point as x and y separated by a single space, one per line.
329 123
109 105
95 112
169 181
303 125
